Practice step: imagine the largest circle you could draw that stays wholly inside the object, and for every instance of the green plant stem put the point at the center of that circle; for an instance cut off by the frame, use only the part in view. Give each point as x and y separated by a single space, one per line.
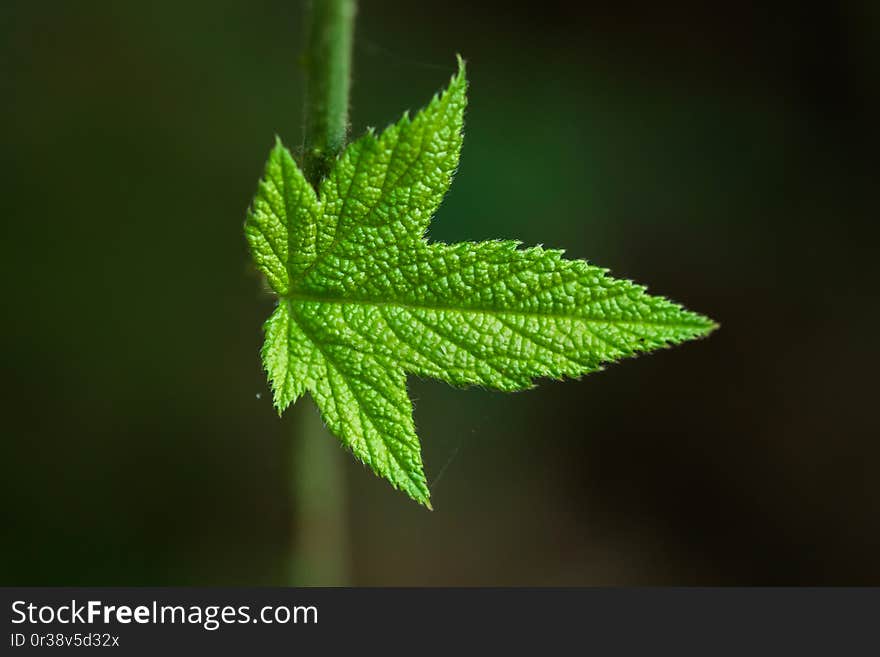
328 77
321 549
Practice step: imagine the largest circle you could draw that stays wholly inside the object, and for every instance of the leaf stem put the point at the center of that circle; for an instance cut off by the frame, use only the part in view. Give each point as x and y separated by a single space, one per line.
321 546
328 77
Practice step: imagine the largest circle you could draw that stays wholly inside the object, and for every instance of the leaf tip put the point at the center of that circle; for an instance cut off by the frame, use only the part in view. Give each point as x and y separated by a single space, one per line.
462 64
700 326
279 402
460 77
279 144
710 326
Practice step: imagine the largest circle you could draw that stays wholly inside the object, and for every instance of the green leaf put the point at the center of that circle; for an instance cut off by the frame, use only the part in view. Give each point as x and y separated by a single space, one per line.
364 299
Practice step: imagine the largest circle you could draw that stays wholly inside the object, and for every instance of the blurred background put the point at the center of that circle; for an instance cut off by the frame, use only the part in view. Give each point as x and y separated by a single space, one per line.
723 154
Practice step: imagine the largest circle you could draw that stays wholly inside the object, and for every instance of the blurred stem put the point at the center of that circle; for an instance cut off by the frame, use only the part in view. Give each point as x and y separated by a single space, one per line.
321 550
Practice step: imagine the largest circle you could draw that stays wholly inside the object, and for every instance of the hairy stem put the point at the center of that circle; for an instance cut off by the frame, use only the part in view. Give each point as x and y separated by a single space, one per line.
328 76
321 549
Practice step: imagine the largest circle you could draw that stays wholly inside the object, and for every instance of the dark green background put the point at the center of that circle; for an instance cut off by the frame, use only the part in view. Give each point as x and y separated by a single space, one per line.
724 155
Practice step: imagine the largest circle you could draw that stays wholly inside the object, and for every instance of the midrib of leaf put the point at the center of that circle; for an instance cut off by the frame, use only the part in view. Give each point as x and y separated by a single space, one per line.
344 377
325 299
